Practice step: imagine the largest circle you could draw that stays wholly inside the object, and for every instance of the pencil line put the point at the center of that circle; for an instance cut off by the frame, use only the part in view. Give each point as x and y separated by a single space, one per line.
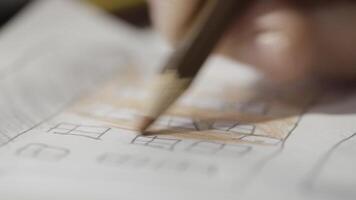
316 171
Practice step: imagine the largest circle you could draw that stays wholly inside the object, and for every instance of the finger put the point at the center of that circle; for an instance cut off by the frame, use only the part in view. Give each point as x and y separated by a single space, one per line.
289 42
276 37
273 36
282 39
335 25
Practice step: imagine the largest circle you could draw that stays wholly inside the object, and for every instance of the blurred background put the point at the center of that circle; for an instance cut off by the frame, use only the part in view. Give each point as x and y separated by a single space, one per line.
134 12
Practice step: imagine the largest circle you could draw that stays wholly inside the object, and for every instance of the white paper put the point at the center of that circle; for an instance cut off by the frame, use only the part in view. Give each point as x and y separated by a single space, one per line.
67 128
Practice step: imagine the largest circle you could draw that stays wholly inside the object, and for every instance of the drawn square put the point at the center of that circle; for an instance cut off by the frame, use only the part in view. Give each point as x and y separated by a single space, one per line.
93 132
206 147
143 140
236 149
245 129
156 142
224 125
85 134
163 143
66 126
91 129
43 152
63 128
261 139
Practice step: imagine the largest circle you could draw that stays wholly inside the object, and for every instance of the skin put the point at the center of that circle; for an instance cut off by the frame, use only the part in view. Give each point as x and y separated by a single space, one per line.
286 40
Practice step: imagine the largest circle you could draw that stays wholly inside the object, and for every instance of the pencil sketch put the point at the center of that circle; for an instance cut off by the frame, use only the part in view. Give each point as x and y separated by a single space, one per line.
156 142
43 152
88 131
139 161
3 139
228 118
35 88
310 184
211 147
203 147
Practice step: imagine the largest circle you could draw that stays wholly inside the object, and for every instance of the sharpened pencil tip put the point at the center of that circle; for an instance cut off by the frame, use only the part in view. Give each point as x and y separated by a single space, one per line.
145 124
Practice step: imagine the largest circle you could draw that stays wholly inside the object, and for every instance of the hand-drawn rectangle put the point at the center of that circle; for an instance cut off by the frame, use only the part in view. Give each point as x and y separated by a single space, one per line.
205 147
43 152
93 132
156 142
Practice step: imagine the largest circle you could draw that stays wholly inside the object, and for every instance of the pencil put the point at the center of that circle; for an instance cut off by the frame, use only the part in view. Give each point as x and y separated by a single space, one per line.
190 55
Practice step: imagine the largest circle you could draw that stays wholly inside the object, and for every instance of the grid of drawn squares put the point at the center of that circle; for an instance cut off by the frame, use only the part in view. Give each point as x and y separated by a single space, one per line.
140 161
185 123
176 122
211 147
42 152
201 147
243 132
93 132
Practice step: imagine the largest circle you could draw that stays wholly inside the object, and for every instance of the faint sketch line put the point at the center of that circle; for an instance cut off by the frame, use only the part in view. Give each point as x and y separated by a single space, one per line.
317 169
37 125
43 152
209 147
255 170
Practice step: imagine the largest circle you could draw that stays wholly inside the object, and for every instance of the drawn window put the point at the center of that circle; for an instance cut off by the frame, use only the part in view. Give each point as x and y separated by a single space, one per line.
156 142
224 125
236 149
205 147
43 152
245 129
261 139
93 132
124 159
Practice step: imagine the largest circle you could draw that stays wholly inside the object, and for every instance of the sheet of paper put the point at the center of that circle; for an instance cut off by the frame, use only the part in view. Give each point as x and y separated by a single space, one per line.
74 82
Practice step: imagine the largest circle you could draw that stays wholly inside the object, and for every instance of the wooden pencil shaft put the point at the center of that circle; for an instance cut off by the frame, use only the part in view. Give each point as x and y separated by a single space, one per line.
192 52
205 33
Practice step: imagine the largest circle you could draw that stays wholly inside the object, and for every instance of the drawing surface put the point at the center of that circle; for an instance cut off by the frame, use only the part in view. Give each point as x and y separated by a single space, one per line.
71 95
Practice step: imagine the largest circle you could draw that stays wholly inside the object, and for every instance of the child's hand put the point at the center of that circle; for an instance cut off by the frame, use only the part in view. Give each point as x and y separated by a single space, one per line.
287 40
